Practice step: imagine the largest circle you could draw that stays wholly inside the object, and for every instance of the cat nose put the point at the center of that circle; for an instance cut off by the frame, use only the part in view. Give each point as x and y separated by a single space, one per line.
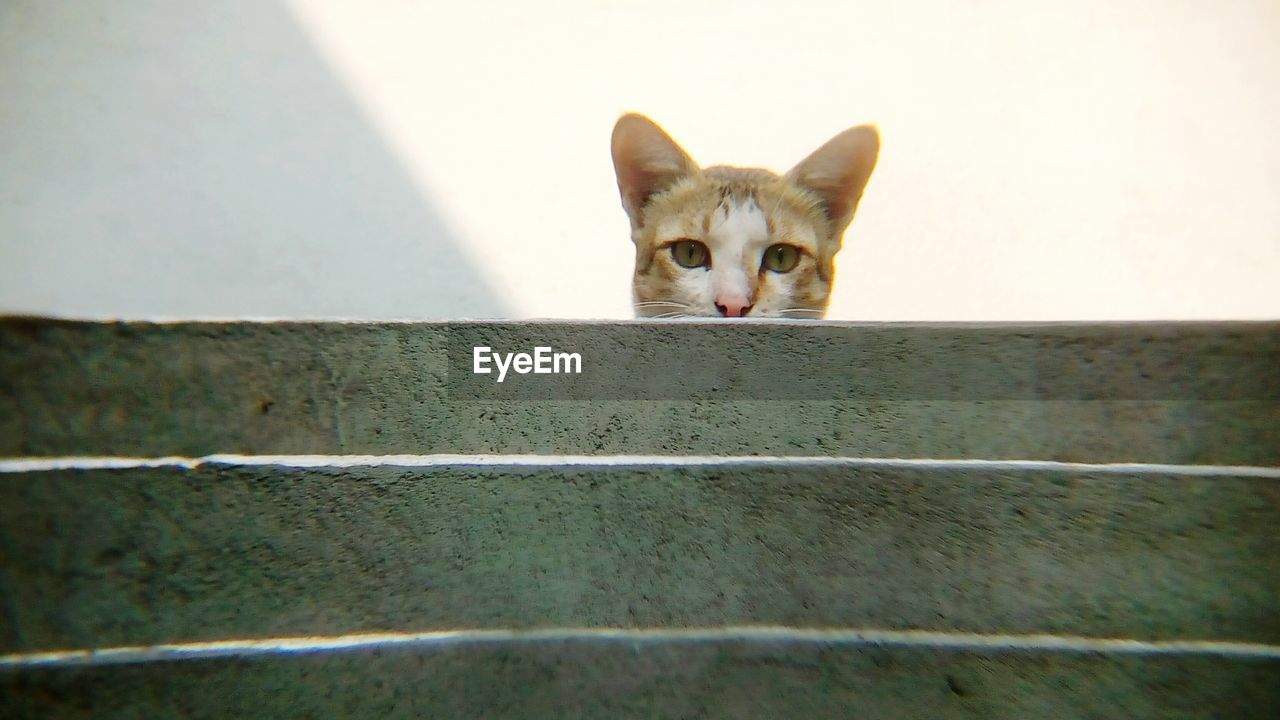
733 306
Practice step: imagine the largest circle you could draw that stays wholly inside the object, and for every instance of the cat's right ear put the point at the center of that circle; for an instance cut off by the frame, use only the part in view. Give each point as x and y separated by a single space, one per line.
646 161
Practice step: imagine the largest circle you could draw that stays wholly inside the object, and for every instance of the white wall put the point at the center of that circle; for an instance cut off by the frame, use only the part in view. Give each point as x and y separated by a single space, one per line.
336 158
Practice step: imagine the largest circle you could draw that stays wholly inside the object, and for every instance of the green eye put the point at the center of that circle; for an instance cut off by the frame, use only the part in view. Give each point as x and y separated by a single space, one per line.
690 253
781 258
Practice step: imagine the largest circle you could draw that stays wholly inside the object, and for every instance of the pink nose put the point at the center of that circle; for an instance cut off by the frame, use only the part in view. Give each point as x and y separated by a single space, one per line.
733 306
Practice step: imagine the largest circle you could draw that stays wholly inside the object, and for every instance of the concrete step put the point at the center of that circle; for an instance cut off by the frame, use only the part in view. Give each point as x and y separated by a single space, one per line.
154 555
1140 392
627 678
203 519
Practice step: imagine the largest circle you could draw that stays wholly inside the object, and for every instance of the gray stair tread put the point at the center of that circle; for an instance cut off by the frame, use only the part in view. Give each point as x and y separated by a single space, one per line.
140 556
1148 392
657 680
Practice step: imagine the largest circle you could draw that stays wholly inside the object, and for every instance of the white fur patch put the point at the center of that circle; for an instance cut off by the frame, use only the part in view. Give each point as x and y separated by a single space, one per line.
736 235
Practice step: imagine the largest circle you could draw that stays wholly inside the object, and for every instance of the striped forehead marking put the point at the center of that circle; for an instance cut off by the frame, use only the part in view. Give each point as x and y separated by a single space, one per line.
738 223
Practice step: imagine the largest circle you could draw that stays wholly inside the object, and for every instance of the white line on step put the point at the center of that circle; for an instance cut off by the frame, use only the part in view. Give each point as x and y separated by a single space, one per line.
953 641
91 319
20 465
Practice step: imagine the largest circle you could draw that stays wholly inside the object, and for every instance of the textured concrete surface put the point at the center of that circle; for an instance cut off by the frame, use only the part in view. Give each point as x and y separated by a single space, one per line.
1155 392
98 558
675 680
165 555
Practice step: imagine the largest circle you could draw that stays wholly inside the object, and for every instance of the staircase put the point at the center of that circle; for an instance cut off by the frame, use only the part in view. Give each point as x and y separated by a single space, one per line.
802 519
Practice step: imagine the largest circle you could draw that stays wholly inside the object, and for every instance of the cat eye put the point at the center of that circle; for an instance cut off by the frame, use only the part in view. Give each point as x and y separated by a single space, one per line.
781 258
690 253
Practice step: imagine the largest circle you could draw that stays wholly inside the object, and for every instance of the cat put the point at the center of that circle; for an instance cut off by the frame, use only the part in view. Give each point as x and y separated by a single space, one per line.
736 242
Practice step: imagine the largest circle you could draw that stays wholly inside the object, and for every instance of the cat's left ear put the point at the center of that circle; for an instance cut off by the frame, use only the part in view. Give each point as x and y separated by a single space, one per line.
838 171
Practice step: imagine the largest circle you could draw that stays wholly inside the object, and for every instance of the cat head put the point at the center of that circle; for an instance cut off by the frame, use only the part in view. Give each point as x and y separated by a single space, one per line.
736 242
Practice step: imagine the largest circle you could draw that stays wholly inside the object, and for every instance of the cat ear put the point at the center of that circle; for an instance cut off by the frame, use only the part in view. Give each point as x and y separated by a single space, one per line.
838 171
646 161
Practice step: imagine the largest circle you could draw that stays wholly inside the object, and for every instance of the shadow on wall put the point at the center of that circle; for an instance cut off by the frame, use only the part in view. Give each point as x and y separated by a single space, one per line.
184 159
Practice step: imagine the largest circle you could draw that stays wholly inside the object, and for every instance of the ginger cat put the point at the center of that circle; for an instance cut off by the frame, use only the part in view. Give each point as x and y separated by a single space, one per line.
736 242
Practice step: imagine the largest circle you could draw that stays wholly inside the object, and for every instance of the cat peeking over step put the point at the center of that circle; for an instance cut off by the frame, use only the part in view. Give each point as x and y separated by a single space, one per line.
736 242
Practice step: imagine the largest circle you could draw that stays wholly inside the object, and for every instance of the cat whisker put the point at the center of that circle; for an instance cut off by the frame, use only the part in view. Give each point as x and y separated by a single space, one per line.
659 303
678 309
787 312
